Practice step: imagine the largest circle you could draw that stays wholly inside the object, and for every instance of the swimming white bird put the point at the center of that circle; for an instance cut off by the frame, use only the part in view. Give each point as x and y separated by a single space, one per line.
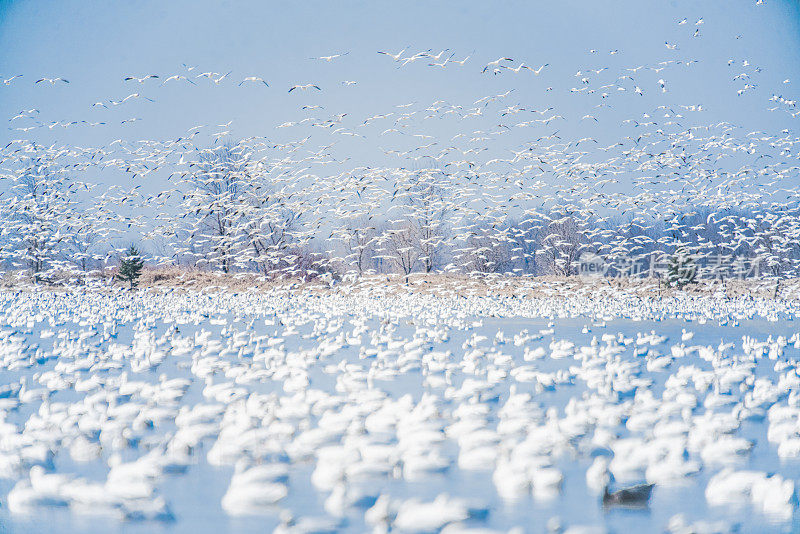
254 490
771 494
343 497
598 476
415 515
306 525
41 489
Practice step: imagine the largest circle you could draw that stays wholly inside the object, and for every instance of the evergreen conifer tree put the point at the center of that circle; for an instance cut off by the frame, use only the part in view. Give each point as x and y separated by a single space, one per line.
130 266
681 269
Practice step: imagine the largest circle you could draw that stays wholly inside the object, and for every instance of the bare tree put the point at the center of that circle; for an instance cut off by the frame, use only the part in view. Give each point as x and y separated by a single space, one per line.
429 208
271 233
488 251
562 245
84 244
358 241
399 247
525 236
422 197
37 211
217 188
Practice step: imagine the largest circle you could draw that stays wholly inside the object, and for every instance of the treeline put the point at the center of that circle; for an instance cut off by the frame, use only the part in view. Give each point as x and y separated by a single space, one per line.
229 211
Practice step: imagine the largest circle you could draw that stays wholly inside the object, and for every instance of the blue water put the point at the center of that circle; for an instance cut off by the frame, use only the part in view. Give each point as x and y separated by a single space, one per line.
194 496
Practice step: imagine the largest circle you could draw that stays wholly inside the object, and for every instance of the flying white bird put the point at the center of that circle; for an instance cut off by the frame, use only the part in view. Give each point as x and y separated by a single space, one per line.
329 58
177 77
52 81
496 63
304 87
140 80
254 79
396 56
539 70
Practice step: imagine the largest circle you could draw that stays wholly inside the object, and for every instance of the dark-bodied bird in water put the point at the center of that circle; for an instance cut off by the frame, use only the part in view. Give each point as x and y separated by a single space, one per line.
634 496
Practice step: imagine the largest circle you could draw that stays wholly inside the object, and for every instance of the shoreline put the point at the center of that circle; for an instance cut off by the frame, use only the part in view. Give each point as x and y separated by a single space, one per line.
441 284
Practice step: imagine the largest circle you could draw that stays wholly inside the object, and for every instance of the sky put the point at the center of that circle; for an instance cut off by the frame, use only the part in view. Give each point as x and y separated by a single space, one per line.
95 45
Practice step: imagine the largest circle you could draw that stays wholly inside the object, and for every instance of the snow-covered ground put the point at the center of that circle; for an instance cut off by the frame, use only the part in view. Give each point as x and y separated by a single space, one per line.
195 412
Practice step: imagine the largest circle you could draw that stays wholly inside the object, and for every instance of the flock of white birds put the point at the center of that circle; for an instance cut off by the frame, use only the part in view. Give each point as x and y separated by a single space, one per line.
503 183
356 410
345 408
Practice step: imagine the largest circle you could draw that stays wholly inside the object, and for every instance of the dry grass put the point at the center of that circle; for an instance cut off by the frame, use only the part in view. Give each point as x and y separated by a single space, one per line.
549 286
188 278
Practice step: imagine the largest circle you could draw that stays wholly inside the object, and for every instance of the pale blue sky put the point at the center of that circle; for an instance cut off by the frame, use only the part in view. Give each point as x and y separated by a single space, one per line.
96 44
